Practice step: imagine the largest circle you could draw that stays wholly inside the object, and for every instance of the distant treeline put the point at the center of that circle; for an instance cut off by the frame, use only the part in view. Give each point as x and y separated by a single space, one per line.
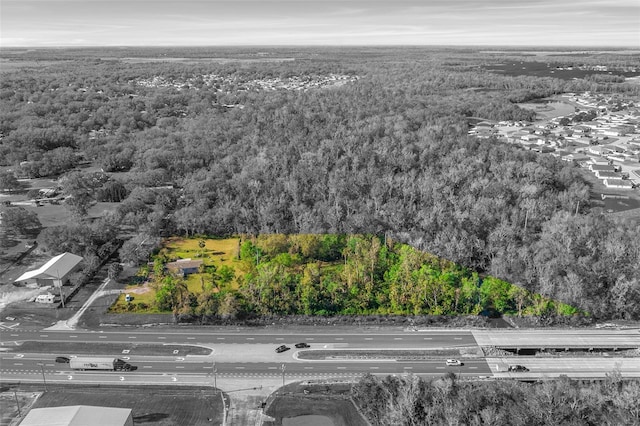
388 153
410 400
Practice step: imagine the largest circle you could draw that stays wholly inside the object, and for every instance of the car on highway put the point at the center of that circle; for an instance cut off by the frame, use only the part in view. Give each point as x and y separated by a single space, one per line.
454 362
518 368
282 348
62 359
302 345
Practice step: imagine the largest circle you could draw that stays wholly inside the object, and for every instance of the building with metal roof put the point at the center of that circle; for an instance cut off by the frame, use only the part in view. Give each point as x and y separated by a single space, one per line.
55 272
78 415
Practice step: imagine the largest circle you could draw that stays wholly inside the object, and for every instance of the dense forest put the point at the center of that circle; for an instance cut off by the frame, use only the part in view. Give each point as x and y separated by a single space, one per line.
202 147
323 275
412 400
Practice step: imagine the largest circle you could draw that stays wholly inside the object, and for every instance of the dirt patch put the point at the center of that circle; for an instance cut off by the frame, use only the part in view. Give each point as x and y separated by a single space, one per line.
319 398
149 405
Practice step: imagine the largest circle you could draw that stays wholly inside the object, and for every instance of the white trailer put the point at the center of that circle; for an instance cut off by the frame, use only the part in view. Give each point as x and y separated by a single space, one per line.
95 363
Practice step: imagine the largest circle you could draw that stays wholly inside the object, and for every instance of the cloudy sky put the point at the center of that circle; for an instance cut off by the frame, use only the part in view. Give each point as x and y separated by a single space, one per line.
320 22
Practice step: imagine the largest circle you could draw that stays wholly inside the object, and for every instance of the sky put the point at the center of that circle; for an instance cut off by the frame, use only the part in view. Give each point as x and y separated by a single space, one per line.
588 23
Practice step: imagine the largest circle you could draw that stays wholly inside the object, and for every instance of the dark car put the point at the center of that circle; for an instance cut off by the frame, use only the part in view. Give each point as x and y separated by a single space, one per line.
282 348
62 359
518 368
302 345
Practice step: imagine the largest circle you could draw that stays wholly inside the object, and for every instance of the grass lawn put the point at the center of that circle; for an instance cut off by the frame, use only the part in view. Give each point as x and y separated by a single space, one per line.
149 405
216 252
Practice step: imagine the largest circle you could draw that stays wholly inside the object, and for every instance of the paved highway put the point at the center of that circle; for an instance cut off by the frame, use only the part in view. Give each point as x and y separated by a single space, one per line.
430 339
250 354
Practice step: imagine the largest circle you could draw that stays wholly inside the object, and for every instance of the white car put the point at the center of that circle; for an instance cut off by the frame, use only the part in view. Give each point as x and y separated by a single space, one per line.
455 362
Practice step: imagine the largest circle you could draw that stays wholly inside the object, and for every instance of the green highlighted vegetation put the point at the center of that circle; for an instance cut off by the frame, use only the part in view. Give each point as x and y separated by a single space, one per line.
308 274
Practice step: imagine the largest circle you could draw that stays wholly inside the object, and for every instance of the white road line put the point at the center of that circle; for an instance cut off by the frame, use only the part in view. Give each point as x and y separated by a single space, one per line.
191 338
44 335
397 338
339 338
368 338
279 338
14 335
309 338
73 336
239 368
251 338
342 368
473 368
132 337
308 368
147 366
220 338
374 368
102 337
161 337
18 363
179 366
428 338
272 368
408 368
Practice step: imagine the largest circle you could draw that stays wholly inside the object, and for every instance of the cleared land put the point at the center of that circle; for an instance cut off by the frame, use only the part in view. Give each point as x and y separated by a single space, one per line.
150 405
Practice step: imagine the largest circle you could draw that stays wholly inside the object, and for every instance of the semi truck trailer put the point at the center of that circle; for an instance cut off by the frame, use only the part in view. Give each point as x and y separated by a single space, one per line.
94 363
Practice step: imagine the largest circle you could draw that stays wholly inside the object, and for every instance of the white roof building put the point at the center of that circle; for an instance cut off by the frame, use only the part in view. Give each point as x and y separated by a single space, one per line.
78 415
54 272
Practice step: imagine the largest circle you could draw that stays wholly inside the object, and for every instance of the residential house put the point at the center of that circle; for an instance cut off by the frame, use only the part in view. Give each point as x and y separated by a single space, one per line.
618 184
603 174
184 267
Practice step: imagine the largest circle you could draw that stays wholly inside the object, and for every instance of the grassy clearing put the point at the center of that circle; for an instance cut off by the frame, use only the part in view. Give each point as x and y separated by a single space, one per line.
149 405
216 252
387 354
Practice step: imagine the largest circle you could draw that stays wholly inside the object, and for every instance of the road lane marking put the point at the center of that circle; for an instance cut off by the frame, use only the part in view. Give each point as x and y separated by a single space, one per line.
179 366
147 366
161 337
132 337
408 368
272 368
339 338
473 368
14 335
239 368
44 335
279 338
397 338
368 338
428 338
191 338
251 338
457 338
308 368
73 336
102 337
17 363
220 338
374 368
309 338
342 368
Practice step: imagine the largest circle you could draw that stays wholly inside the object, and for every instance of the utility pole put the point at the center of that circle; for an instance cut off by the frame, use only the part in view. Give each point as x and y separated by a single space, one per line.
215 377
60 282
283 370
44 381
17 403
